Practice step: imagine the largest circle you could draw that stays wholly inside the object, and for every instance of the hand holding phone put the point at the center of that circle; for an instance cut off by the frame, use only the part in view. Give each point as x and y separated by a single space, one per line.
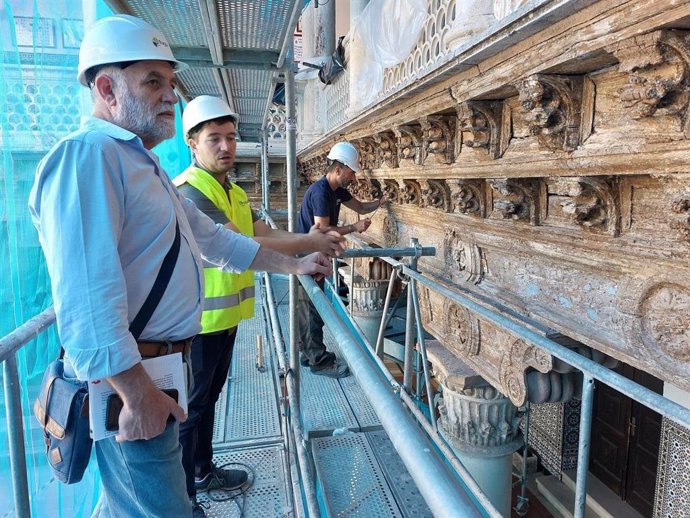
115 404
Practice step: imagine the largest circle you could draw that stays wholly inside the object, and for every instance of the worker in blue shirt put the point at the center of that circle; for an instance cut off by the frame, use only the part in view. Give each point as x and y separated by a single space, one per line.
321 206
106 214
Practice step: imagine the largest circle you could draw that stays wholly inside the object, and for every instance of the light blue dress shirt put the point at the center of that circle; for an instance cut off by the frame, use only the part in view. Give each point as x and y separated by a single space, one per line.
105 212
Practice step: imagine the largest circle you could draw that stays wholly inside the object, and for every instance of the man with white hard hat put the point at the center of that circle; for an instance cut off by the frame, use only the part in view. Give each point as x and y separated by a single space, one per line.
210 130
107 215
321 206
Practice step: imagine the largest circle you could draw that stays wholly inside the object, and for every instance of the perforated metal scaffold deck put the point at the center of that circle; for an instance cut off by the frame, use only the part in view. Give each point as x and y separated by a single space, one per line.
359 472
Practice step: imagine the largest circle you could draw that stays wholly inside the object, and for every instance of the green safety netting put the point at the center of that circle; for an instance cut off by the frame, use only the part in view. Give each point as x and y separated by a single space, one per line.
41 102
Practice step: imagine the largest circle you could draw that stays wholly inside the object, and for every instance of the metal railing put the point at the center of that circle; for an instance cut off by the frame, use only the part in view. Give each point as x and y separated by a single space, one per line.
9 345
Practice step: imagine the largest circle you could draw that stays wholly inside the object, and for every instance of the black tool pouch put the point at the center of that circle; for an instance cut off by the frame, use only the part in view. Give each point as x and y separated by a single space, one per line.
62 410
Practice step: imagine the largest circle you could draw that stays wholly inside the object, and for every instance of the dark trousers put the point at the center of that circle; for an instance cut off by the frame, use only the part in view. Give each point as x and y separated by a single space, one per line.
210 358
310 332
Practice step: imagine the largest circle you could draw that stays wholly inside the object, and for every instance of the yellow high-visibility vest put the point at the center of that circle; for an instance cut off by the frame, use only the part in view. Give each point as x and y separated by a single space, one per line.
228 297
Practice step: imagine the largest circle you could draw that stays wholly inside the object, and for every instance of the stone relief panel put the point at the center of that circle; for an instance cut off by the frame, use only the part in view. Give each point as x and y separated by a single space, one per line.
468 197
463 330
659 310
410 145
391 190
465 261
658 75
515 362
438 133
521 199
435 194
483 125
552 107
390 231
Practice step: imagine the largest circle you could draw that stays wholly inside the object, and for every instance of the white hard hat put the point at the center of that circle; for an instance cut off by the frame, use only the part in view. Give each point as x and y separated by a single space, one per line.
347 154
205 108
123 38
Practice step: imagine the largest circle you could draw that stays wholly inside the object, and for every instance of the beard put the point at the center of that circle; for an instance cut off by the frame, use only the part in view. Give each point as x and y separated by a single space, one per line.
137 116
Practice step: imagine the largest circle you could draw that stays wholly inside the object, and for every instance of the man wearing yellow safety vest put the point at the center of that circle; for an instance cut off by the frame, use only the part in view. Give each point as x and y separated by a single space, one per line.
210 131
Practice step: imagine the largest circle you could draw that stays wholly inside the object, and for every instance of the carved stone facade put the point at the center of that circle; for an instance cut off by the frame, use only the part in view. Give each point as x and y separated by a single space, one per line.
550 169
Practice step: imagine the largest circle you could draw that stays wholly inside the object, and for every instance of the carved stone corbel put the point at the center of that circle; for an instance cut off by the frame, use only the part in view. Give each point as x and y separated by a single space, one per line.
484 124
594 205
410 148
465 261
435 194
513 366
438 132
387 149
680 219
518 198
553 109
410 192
658 65
391 190
467 197
368 156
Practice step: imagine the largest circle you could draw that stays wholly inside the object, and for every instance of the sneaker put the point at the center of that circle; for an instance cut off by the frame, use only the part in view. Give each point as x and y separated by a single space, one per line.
337 369
198 509
220 478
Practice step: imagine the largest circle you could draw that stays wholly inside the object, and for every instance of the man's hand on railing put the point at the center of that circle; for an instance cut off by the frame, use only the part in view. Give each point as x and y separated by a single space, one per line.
329 242
317 265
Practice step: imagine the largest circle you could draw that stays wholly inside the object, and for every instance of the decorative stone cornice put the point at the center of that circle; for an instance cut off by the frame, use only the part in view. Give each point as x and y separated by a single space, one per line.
467 197
658 65
594 205
484 124
513 365
552 107
435 194
438 132
518 199
410 148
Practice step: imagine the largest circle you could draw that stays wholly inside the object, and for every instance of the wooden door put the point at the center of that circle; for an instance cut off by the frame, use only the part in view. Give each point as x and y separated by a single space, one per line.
625 442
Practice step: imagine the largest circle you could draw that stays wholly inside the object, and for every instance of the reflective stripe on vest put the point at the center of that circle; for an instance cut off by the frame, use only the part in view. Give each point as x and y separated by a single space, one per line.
228 297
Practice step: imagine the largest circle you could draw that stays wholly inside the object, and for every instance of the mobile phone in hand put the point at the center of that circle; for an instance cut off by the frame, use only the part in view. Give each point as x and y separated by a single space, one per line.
115 404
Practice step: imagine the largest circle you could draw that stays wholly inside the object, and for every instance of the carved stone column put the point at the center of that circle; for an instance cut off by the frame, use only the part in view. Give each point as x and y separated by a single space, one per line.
479 423
471 17
367 295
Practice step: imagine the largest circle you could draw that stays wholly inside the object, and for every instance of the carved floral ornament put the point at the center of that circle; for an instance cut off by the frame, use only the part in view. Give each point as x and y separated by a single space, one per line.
518 199
410 148
465 261
658 65
438 136
462 330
